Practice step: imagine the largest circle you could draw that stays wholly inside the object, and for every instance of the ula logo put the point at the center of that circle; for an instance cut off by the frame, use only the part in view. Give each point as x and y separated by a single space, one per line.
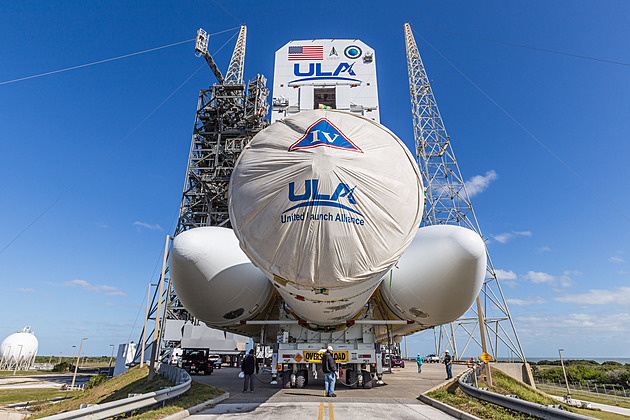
315 72
324 133
311 196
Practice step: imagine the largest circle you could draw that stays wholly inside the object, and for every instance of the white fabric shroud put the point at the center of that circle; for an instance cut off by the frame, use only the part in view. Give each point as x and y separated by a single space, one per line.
325 199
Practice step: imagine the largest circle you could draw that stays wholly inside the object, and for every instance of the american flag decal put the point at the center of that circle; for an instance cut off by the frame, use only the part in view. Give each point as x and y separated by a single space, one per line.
306 53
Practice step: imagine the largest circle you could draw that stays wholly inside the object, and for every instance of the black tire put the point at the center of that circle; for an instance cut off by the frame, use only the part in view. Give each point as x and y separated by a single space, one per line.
286 379
300 379
368 383
351 378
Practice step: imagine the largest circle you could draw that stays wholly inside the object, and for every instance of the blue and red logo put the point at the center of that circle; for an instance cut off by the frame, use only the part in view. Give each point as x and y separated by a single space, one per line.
324 133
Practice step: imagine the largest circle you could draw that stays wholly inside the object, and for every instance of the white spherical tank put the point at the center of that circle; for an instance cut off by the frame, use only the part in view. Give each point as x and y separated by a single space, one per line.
325 202
20 347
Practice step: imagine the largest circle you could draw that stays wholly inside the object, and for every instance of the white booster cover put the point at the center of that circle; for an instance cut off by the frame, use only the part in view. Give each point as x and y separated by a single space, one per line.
324 202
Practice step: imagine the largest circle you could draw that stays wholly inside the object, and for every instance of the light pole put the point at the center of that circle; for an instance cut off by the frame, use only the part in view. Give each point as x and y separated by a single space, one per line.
60 353
76 366
74 352
565 373
109 367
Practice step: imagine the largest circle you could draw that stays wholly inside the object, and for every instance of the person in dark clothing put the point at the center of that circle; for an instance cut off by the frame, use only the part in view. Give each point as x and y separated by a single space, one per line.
329 367
448 361
249 366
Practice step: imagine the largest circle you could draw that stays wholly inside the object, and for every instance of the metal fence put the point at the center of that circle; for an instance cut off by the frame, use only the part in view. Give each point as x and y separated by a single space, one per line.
606 392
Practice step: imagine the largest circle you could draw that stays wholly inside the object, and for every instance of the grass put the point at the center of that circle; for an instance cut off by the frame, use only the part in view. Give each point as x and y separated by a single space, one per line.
132 381
504 384
585 395
12 396
197 394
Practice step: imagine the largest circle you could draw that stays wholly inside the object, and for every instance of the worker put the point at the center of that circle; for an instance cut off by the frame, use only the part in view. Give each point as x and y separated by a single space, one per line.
419 361
249 365
448 361
329 367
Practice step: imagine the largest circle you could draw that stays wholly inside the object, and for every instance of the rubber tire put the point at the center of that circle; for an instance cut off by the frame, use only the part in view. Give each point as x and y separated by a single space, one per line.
286 379
351 378
300 380
368 383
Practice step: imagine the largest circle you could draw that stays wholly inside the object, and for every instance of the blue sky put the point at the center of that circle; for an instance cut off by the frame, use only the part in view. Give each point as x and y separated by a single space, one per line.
82 268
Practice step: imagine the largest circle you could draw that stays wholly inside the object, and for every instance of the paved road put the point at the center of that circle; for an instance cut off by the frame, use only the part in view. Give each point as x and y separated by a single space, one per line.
41 381
396 399
603 407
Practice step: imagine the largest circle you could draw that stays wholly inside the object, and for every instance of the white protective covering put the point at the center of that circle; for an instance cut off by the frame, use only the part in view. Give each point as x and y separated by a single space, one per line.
325 202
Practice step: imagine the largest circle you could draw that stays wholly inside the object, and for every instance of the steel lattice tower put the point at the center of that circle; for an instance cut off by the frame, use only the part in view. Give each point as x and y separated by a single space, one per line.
228 116
447 202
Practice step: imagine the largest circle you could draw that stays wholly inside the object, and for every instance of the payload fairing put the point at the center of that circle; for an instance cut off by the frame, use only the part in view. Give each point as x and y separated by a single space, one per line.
325 204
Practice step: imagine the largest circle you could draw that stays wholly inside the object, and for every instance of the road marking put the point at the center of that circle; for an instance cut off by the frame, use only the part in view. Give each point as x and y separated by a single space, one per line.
320 416
331 416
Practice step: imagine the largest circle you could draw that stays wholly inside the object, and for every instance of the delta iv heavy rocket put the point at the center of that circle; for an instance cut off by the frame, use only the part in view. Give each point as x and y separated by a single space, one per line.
325 206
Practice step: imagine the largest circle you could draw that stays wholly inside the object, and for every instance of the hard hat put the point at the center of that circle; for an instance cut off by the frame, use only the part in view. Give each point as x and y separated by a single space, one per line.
446 351
330 348
418 354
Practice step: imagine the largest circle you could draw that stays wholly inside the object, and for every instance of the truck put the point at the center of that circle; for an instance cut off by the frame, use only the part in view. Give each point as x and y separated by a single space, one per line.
197 361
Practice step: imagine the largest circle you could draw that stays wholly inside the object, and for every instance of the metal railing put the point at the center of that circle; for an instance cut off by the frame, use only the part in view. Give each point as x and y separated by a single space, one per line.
102 411
466 382
607 392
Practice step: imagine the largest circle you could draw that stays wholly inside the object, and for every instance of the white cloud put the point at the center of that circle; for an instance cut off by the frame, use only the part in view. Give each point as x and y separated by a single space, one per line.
109 304
539 277
544 249
622 272
505 275
617 296
85 285
502 237
148 226
479 183
26 290
523 302
616 260
576 323
506 236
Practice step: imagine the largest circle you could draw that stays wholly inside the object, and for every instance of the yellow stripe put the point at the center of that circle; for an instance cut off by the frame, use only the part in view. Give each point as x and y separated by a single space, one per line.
320 416
331 416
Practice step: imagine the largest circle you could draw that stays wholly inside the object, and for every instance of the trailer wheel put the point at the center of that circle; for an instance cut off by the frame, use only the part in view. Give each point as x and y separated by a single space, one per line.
286 379
300 379
368 383
351 378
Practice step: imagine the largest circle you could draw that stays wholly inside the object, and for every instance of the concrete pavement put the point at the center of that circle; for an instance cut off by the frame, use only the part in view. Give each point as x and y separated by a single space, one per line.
396 399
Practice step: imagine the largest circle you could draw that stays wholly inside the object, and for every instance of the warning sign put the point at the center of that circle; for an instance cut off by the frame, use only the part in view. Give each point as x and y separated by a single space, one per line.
486 357
316 356
298 357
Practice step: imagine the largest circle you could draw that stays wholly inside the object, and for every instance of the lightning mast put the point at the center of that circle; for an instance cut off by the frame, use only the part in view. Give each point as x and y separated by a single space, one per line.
447 202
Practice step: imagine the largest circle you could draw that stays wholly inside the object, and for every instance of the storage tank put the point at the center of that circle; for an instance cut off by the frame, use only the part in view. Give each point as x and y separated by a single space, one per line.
324 202
20 347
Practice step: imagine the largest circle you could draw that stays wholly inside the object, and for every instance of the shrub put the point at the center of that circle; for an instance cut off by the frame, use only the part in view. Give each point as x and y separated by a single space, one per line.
61 367
95 380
